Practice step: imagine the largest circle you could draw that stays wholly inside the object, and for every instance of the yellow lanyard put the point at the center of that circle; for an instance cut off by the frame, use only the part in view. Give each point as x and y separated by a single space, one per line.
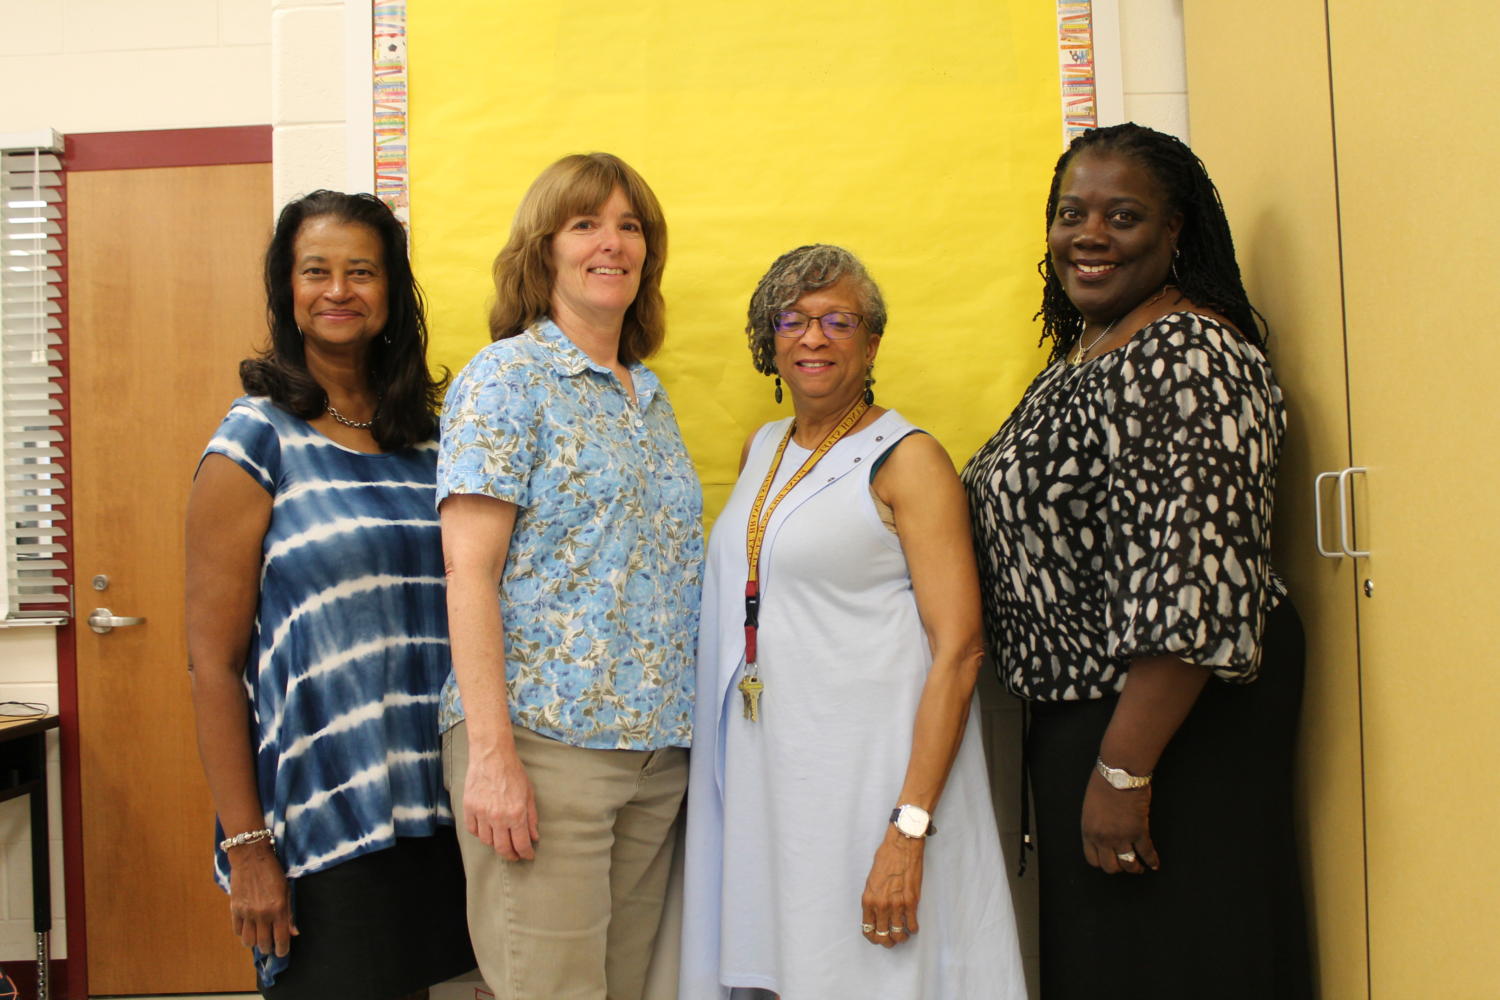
755 530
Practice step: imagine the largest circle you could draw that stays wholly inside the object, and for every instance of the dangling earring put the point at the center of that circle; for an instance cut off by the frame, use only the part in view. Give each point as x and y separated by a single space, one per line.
869 386
778 388
1176 253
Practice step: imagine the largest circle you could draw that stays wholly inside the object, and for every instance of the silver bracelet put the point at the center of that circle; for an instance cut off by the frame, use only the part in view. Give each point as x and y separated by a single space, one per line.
248 837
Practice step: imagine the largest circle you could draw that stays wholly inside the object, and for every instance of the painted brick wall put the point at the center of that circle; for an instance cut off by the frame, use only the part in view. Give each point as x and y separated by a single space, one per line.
104 65
107 66
320 96
1152 65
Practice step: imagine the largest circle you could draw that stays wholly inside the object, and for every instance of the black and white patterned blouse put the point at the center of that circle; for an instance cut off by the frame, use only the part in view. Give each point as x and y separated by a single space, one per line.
1124 510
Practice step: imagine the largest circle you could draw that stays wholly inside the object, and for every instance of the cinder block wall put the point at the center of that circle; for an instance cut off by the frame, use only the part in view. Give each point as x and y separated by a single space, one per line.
108 66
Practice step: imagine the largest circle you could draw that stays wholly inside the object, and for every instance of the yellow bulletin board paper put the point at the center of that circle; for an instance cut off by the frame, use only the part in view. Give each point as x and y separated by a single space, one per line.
920 136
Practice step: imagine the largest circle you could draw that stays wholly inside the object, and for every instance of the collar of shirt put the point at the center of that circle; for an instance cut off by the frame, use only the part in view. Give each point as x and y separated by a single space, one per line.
568 358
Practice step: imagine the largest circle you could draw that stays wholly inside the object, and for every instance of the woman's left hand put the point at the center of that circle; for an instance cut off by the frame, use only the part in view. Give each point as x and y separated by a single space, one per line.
889 903
1118 822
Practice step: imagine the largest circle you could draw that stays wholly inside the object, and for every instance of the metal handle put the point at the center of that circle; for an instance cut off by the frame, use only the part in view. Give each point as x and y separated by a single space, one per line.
1318 516
1344 532
104 620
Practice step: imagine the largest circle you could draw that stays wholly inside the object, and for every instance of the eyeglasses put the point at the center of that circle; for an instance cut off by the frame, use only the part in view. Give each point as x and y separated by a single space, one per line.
835 325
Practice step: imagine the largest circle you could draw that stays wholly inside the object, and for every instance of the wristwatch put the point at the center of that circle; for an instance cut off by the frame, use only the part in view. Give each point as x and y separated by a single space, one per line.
913 821
1120 778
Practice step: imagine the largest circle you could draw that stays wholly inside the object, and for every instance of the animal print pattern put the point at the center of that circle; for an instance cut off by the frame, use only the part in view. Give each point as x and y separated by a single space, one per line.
1124 510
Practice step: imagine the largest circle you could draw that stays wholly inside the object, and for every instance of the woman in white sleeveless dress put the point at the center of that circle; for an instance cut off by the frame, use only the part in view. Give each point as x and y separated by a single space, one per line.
821 863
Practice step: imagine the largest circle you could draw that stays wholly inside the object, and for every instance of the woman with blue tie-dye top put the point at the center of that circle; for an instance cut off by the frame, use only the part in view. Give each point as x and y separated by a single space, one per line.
317 632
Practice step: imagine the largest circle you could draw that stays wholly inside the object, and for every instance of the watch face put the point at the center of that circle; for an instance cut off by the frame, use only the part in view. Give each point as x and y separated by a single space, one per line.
912 822
1118 778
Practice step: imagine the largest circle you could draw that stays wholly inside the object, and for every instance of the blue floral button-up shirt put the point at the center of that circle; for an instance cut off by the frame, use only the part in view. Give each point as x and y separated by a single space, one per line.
601 585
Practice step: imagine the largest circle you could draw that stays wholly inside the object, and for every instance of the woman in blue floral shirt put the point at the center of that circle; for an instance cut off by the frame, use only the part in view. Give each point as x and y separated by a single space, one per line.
564 485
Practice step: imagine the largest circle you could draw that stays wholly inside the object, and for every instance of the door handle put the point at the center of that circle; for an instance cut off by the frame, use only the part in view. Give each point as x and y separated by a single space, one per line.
104 620
1326 553
1345 534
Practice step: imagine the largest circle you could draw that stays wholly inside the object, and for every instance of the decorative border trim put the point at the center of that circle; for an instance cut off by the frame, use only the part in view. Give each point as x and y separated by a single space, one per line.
392 177
178 147
1076 65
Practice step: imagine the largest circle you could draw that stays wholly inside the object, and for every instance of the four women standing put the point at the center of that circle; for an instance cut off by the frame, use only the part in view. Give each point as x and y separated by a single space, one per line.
1121 517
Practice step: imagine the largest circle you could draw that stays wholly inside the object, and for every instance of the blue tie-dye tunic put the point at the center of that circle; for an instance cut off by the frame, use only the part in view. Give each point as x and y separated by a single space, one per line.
350 643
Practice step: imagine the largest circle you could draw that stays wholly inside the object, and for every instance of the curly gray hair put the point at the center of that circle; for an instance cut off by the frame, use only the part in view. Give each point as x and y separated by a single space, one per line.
793 275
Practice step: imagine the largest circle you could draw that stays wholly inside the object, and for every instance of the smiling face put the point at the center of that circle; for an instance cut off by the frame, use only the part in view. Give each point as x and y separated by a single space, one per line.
338 283
1112 235
817 369
597 260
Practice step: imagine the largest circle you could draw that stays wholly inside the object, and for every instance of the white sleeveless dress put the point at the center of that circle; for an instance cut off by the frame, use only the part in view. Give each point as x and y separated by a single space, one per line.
785 814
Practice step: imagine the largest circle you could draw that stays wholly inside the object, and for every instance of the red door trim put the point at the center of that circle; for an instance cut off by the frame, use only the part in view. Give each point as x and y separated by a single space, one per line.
178 147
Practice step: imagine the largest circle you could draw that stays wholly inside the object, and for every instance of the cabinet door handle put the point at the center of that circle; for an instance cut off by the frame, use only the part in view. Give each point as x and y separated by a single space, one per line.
1326 553
1345 534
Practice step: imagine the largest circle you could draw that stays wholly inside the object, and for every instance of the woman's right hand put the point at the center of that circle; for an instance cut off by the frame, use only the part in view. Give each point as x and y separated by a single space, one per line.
260 903
500 805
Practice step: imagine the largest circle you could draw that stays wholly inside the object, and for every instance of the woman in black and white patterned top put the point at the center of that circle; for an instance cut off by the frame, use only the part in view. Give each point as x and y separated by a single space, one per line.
1122 516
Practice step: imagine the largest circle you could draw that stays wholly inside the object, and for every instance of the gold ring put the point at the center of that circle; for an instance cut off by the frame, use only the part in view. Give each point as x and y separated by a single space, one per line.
882 933
866 928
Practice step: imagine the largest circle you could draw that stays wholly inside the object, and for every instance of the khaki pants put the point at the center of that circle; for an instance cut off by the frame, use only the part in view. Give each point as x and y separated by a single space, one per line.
580 921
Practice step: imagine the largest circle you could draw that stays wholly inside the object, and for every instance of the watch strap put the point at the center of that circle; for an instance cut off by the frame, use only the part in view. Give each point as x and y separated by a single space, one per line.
1119 777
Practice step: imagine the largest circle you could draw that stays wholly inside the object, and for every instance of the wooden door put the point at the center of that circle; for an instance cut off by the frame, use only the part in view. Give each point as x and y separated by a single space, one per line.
164 300
1267 139
1418 153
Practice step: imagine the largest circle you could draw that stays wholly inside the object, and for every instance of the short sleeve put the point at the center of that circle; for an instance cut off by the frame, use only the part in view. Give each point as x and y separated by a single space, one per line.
489 430
1192 442
247 437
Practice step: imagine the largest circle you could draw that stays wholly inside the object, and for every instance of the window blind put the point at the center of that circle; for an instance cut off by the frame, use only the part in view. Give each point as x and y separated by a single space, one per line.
33 532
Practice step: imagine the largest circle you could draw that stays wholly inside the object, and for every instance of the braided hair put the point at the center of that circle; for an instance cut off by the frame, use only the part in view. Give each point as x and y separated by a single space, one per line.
1206 272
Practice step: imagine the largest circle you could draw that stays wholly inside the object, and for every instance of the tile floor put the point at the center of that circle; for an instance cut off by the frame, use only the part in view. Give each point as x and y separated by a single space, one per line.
469 987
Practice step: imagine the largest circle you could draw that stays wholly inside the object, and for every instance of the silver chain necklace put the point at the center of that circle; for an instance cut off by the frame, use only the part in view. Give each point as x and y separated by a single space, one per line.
359 425
1083 349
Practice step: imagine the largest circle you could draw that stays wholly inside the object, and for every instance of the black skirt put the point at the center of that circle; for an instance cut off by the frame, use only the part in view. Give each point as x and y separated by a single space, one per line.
379 926
1224 917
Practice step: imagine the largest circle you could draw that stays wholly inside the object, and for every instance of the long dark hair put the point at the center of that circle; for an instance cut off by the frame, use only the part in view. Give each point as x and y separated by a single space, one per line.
396 362
1206 271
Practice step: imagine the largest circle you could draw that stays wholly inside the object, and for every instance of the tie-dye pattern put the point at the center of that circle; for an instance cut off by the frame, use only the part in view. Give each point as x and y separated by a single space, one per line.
350 643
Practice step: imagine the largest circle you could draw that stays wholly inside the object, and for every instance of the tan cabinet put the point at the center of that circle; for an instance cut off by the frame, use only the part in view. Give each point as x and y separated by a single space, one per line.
1356 147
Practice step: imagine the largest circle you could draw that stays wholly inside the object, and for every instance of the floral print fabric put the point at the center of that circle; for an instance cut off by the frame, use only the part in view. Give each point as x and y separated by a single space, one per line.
1124 510
602 582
